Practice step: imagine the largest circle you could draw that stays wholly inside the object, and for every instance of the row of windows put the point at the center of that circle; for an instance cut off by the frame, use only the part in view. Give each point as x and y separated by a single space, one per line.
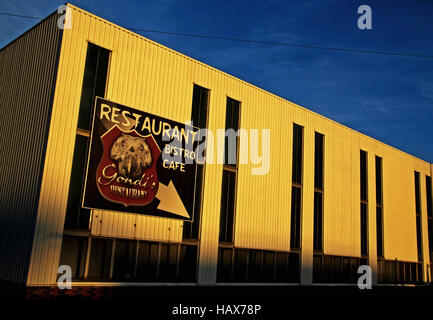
397 272
336 269
249 265
128 260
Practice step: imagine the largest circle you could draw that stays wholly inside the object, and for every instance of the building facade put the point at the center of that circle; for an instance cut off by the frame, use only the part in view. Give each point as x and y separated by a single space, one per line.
333 199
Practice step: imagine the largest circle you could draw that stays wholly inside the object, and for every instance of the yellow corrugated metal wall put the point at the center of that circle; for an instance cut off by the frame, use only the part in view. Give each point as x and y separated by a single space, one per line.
150 77
27 80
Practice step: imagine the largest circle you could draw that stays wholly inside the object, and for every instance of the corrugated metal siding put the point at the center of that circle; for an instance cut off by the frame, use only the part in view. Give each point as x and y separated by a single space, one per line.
27 74
148 76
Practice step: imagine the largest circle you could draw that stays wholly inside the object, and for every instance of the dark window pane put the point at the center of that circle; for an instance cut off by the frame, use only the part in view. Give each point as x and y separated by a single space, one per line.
147 261
227 206
363 166
364 229
318 161
419 237
100 259
187 264
428 184
294 267
379 231
417 193
224 270
94 82
281 267
168 262
199 106
297 153
379 199
268 266
255 264
232 122
124 260
191 229
345 272
77 217
318 221
74 251
354 265
240 267
317 268
327 269
199 115
295 223
430 238
336 269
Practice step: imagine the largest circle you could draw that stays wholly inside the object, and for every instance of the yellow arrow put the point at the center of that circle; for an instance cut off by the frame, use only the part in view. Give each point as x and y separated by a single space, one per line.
170 200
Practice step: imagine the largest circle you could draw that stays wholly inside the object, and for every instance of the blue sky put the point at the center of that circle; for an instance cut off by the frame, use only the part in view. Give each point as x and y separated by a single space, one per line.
389 98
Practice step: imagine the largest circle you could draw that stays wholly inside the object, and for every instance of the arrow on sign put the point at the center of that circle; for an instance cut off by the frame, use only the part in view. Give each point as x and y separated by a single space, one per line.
170 200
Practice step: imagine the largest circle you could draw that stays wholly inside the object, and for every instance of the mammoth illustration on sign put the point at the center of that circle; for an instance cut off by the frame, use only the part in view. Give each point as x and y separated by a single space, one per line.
132 155
127 172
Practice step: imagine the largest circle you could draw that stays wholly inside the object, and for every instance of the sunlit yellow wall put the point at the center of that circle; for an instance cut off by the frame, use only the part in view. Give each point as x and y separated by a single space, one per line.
150 77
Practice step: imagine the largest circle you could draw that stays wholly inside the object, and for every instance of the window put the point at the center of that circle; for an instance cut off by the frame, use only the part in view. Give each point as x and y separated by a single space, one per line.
168 262
364 230
94 83
230 169
295 226
398 272
364 202
296 210
318 193
147 261
252 265
124 260
297 153
74 253
364 185
227 206
100 259
199 118
429 195
418 215
379 207
232 123
335 269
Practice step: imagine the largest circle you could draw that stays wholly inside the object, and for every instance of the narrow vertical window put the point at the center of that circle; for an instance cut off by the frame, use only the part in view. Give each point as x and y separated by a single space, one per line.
418 215
429 195
364 202
379 207
199 118
94 83
230 169
297 157
318 192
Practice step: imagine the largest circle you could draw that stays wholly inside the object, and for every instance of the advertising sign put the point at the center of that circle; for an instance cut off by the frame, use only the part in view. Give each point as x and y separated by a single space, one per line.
140 163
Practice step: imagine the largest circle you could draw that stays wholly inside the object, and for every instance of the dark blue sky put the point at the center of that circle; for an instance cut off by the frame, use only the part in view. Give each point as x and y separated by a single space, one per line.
389 98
